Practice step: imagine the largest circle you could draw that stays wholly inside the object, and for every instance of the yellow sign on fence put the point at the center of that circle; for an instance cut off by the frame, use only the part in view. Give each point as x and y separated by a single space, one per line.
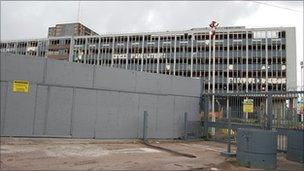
20 86
248 106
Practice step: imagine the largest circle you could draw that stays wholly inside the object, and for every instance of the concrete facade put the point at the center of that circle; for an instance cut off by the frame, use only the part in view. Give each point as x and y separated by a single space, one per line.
246 59
83 101
70 29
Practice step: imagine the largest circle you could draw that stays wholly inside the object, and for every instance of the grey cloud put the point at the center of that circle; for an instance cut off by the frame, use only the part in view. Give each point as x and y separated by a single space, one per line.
128 16
289 4
21 20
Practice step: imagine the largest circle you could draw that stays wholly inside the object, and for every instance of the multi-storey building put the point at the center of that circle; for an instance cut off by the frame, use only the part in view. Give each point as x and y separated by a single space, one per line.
60 48
246 59
70 29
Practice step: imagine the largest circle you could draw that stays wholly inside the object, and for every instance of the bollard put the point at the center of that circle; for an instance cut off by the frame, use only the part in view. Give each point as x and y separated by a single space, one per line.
257 148
185 126
145 125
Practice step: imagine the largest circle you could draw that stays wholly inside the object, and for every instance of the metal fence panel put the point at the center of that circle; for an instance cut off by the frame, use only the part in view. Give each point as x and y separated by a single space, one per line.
3 103
63 103
114 79
190 106
295 148
40 110
180 108
147 102
147 82
267 110
84 113
59 111
164 83
128 115
164 117
107 115
19 116
71 74
19 67
185 86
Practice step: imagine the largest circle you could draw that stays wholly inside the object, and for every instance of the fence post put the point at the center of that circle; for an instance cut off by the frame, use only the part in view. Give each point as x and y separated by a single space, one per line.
185 126
206 112
228 153
145 125
269 111
229 128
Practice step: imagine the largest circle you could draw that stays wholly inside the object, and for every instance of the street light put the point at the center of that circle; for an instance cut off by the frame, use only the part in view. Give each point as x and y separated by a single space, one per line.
213 25
302 75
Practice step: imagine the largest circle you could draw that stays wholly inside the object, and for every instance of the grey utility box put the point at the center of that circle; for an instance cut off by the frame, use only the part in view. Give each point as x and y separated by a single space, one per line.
295 146
257 148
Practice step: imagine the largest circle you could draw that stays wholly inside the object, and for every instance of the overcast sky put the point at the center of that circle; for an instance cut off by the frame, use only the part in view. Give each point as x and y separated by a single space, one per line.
24 20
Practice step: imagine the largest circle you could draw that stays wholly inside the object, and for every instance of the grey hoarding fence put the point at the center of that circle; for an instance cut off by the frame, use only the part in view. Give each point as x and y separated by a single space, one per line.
82 101
145 125
146 142
185 126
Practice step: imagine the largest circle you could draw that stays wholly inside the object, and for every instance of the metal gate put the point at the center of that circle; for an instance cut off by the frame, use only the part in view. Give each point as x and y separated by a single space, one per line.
266 110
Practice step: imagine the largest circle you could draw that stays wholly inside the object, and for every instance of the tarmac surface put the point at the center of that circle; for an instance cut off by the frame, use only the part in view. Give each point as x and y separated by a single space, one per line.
84 154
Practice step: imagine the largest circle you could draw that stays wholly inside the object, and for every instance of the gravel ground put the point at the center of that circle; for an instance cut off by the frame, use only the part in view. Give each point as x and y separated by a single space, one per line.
83 154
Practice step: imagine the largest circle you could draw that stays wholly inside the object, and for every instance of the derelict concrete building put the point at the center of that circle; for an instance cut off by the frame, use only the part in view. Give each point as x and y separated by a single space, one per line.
247 59
70 29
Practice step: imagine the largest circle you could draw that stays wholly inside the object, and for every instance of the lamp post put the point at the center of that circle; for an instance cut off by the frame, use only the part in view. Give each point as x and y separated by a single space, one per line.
302 75
213 25
302 87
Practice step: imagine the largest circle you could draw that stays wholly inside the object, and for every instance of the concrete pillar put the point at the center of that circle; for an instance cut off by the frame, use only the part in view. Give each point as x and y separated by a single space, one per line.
142 53
191 67
85 50
158 55
98 51
127 58
174 57
247 61
266 56
71 54
112 55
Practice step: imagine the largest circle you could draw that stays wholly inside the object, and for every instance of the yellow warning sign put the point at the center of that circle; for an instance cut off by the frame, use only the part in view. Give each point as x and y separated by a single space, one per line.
248 106
21 86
